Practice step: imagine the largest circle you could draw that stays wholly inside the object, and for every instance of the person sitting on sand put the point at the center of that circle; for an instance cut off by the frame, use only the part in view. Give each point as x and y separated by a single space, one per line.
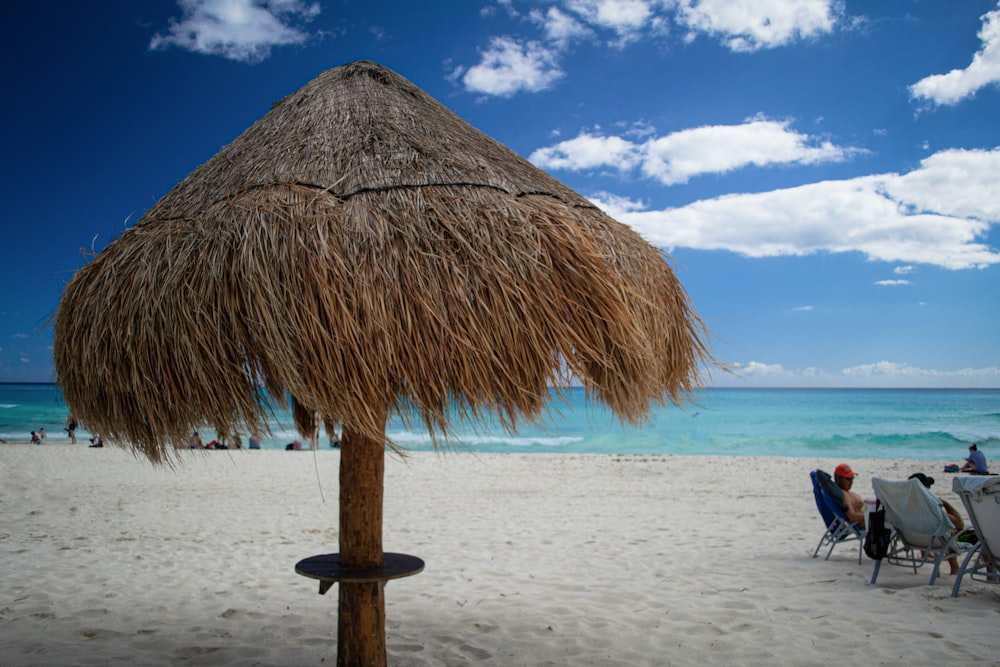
35 440
952 513
96 441
975 463
844 478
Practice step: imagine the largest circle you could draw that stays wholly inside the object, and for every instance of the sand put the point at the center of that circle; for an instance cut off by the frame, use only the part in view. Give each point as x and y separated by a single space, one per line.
531 560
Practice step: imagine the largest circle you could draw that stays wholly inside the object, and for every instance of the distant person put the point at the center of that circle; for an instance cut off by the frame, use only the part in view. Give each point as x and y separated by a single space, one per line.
975 463
195 441
952 513
332 434
35 439
236 441
41 433
295 445
253 442
843 476
71 428
96 441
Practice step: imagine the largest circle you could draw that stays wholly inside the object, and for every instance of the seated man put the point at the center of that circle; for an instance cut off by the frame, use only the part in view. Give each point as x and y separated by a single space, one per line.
975 462
855 504
950 512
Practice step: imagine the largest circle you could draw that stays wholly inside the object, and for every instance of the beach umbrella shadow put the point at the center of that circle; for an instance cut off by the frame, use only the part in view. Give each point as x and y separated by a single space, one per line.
365 252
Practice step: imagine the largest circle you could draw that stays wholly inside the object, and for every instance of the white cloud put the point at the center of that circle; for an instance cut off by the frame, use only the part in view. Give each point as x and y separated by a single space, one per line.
677 157
619 203
960 377
626 18
242 30
513 64
757 368
937 214
721 148
508 66
891 283
749 25
560 28
588 151
878 374
802 309
958 84
903 270
955 182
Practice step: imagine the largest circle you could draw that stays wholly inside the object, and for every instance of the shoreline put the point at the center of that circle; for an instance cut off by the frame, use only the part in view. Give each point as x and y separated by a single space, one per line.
933 463
559 559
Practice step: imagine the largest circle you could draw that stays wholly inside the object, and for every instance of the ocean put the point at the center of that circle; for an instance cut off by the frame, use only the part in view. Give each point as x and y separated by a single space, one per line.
840 423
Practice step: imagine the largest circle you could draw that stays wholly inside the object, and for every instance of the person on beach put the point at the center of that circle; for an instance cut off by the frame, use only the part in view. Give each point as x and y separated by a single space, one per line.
41 433
195 441
71 428
35 440
843 476
332 434
96 441
975 462
952 513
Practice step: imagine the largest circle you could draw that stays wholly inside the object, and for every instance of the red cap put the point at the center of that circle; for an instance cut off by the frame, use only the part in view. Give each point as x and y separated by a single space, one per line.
844 470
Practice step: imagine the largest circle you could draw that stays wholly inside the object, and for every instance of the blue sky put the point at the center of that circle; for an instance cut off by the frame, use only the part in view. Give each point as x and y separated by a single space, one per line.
825 174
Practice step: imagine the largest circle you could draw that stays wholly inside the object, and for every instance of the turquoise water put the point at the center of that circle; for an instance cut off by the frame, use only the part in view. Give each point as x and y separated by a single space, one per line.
847 423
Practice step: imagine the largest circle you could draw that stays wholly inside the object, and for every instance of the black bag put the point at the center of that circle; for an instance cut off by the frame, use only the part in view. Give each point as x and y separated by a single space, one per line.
878 536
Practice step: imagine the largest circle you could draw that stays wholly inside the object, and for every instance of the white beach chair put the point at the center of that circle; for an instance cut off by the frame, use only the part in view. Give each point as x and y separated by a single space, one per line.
920 528
981 497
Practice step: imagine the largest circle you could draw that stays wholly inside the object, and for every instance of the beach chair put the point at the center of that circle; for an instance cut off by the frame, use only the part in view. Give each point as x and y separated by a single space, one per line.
921 531
830 503
981 497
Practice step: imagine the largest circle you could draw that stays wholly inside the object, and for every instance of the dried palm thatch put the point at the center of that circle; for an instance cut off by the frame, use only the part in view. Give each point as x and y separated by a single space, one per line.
361 248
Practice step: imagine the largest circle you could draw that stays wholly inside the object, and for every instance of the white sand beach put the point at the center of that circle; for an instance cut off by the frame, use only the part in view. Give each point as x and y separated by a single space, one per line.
530 560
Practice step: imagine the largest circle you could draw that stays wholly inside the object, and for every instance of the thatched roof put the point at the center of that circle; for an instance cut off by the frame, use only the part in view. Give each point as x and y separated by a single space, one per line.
359 246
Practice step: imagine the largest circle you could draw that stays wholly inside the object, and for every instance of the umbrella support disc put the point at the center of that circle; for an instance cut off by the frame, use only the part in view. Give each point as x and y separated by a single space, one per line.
329 570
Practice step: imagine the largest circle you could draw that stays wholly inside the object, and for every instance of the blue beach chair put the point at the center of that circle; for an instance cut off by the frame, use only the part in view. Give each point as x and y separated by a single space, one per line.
981 497
921 530
830 503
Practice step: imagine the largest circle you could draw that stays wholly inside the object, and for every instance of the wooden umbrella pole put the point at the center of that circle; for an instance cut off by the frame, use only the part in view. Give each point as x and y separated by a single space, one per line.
361 606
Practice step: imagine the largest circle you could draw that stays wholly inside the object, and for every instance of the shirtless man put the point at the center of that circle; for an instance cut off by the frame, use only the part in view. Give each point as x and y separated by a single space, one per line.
844 478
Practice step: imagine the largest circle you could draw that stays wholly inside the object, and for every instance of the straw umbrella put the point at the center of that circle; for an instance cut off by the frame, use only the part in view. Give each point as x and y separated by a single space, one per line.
364 251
